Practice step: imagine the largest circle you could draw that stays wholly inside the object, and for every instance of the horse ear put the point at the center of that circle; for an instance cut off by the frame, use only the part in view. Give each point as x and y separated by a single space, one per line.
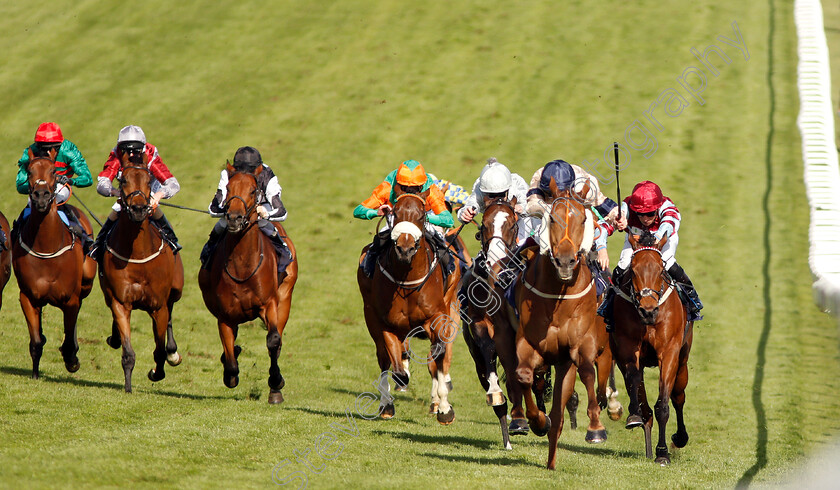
513 201
553 186
145 159
582 195
633 240
661 243
30 153
229 168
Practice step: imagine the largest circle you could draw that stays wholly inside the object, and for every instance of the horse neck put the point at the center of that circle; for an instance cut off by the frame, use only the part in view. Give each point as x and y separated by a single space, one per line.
130 236
43 230
242 247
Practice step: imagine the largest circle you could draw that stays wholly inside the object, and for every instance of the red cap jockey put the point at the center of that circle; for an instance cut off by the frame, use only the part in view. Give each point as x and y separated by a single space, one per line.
646 197
48 132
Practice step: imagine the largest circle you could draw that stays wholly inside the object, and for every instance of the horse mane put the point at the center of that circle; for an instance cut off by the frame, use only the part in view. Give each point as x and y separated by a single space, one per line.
647 239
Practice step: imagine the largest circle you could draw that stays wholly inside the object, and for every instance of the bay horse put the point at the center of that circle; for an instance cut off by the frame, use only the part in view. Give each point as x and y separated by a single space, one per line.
242 283
5 256
405 296
652 330
557 301
50 264
139 271
487 330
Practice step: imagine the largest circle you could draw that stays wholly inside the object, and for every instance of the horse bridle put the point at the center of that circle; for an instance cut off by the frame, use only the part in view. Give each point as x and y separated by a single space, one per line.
146 198
249 210
479 235
566 236
53 192
635 296
416 242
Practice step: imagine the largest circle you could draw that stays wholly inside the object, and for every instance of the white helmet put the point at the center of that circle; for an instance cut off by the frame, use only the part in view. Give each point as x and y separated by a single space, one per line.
131 133
494 178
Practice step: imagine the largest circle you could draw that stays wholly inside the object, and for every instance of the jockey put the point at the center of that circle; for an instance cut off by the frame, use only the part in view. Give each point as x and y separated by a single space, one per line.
650 211
496 182
131 141
50 143
247 159
453 194
410 176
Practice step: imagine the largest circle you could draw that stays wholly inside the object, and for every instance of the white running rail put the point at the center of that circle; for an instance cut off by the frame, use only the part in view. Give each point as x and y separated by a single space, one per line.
819 154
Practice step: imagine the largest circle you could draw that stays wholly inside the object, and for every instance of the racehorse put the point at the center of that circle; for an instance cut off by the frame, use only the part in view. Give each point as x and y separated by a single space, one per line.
242 283
139 271
50 264
5 256
407 297
556 299
652 330
487 330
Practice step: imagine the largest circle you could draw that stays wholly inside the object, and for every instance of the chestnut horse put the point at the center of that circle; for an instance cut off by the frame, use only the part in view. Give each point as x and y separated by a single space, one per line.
556 298
242 283
5 256
652 330
50 265
407 296
140 271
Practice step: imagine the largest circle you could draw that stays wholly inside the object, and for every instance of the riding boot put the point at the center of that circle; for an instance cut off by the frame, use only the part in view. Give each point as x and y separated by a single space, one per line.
687 292
373 252
76 227
444 254
284 255
99 245
209 247
606 308
168 233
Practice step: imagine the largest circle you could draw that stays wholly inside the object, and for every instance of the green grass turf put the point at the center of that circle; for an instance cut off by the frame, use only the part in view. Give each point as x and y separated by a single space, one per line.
335 95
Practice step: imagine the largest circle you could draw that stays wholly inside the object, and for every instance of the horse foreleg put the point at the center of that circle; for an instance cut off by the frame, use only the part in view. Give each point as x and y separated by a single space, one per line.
172 355
595 433
632 380
680 438
668 366
613 405
122 318
70 346
505 344
274 343
227 333
160 326
445 412
88 275
389 354
528 360
37 339
647 418
564 386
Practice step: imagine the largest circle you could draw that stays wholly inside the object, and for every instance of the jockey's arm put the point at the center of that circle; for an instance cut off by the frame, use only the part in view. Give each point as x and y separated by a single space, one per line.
472 205
669 219
109 173
369 208
437 204
273 205
216 208
71 155
22 179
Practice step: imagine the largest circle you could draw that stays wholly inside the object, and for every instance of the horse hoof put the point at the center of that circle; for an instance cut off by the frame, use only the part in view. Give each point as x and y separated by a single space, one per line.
518 427
446 418
231 381
544 430
35 375
496 399
596 436
433 408
275 398
678 440
400 388
72 366
113 342
388 411
154 376
617 414
663 460
633 421
174 359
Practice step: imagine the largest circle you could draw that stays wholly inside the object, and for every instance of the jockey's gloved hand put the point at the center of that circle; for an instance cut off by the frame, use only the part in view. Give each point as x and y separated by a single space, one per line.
63 179
262 212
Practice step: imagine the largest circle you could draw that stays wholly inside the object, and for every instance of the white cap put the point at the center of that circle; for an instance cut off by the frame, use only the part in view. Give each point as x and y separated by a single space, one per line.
131 133
494 178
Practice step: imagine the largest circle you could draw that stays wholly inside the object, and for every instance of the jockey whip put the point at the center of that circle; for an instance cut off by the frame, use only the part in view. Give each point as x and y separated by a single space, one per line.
617 183
87 209
183 207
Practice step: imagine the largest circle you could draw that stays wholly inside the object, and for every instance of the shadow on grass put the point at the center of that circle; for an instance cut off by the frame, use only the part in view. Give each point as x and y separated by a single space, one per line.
441 439
353 413
100 384
503 460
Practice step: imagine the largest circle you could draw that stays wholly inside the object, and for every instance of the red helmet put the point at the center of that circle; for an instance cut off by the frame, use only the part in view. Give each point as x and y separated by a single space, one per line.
646 197
48 132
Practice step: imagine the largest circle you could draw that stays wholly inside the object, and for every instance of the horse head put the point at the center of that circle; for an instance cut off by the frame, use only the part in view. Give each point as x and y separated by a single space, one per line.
136 187
409 220
499 228
42 182
243 196
648 283
570 232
